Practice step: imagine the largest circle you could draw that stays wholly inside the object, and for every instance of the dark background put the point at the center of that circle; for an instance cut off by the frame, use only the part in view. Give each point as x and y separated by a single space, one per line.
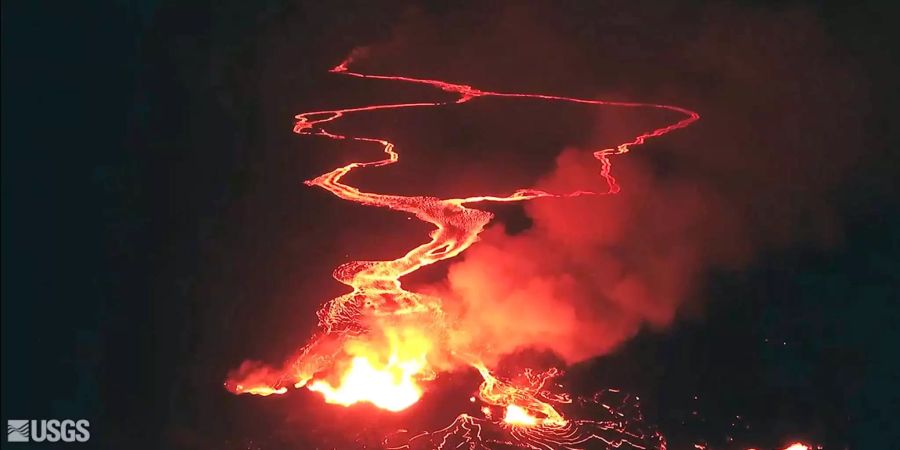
155 230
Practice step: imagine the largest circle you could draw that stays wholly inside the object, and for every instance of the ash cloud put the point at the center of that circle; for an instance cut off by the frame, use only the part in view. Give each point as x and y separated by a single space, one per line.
778 133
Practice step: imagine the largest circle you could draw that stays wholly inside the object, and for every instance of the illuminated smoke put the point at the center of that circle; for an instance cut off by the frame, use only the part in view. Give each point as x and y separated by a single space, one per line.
379 342
589 273
753 176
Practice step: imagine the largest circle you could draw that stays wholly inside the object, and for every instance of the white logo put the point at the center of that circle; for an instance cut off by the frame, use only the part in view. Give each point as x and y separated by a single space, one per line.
17 431
47 430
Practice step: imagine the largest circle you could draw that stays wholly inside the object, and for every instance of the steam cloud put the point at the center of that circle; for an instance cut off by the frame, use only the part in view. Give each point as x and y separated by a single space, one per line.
590 271
754 175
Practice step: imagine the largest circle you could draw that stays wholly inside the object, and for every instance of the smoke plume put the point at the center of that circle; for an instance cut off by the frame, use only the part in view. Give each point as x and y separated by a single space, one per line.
754 175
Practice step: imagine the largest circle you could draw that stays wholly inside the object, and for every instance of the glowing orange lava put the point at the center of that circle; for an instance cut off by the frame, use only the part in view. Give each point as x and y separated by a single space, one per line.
259 390
515 415
797 446
379 342
389 387
392 384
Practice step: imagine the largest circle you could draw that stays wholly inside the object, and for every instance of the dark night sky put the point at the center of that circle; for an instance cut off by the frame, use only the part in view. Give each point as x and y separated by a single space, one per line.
155 230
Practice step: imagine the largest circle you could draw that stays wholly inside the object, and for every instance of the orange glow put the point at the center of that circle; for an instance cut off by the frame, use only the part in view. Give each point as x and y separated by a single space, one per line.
521 402
797 446
391 385
515 415
263 391
379 342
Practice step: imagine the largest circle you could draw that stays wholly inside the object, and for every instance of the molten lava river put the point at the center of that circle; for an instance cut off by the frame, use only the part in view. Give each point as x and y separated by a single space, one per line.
381 344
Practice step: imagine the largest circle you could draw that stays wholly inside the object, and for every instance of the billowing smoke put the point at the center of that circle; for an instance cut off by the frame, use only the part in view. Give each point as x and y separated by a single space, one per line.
591 271
754 175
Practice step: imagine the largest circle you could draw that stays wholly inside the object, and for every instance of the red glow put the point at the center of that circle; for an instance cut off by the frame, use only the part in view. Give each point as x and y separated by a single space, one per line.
380 342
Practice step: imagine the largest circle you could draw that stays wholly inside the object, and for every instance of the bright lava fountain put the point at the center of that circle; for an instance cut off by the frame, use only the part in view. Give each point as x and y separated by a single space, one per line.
380 343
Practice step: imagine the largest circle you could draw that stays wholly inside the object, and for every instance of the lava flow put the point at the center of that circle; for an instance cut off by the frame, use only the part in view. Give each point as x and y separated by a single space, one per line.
380 343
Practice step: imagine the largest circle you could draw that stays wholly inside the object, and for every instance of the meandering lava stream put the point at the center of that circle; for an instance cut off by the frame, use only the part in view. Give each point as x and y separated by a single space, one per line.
380 342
